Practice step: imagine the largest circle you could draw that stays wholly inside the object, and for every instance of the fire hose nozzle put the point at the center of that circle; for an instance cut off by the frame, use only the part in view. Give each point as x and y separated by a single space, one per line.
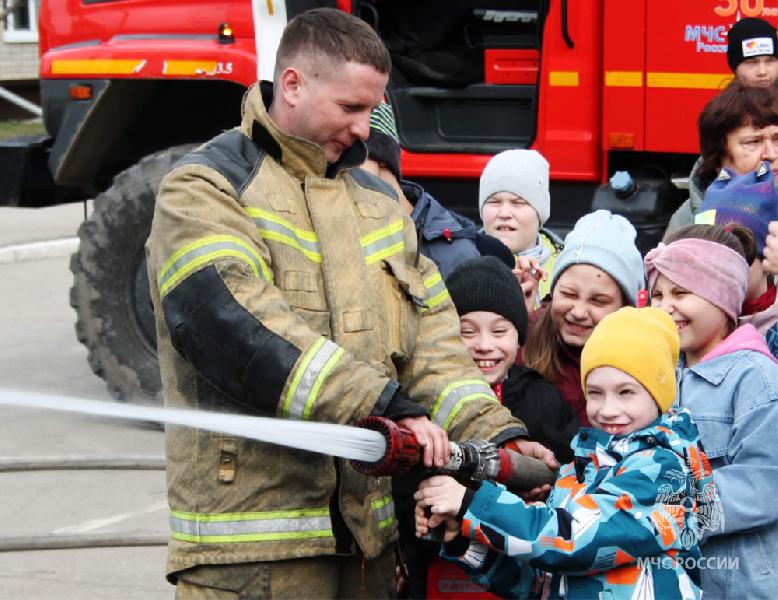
469 462
402 449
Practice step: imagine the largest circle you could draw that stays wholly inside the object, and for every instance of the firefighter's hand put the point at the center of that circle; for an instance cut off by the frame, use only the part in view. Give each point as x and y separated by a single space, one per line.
430 437
770 262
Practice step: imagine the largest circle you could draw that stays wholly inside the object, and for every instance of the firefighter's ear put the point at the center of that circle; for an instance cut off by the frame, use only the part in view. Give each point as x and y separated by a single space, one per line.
290 85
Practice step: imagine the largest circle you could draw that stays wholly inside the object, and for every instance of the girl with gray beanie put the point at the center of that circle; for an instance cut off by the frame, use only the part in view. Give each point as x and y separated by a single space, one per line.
599 271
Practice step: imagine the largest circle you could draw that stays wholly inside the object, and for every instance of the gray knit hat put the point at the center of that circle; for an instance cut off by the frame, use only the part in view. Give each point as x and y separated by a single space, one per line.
606 241
382 144
520 172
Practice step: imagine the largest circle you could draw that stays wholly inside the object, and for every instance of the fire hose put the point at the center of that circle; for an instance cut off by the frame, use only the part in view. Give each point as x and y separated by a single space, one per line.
376 447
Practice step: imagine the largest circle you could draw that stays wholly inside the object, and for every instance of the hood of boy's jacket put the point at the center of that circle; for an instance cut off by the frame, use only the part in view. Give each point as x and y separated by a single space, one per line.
674 430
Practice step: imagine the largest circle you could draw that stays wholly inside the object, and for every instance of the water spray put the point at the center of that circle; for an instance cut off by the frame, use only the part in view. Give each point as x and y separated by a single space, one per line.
377 446
325 438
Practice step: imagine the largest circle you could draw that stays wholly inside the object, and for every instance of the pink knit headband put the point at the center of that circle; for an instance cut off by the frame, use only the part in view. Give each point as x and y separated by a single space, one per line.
709 270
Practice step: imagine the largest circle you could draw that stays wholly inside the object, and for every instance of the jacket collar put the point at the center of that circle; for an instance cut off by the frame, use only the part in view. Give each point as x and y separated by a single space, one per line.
673 430
714 366
300 157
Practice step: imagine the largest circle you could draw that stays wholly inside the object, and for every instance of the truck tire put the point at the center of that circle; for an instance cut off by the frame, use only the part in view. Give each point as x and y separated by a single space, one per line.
110 293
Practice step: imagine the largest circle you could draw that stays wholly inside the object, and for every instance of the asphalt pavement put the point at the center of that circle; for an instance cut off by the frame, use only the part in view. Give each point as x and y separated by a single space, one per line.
39 508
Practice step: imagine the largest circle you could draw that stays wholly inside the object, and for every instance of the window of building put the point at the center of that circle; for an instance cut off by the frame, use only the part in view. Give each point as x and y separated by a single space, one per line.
21 23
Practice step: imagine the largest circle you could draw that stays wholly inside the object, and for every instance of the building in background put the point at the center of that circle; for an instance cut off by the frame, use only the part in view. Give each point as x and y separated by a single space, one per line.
19 54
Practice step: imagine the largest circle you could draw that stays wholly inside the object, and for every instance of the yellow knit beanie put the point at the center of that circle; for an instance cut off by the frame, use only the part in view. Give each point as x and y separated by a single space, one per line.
642 342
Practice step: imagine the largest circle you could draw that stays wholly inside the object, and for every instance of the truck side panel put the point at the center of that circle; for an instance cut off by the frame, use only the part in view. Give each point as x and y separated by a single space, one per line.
569 111
686 64
623 101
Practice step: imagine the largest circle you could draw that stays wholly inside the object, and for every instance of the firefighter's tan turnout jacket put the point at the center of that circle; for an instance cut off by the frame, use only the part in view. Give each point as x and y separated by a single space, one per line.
285 286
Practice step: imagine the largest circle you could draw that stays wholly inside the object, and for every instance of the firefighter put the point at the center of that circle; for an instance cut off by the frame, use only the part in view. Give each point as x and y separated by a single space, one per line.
283 283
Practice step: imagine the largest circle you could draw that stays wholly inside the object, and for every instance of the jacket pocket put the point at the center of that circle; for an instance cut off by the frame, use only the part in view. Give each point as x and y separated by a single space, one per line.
304 291
404 299
715 431
755 555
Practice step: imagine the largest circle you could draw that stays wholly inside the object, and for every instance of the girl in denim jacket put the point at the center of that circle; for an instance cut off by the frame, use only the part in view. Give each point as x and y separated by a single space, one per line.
728 380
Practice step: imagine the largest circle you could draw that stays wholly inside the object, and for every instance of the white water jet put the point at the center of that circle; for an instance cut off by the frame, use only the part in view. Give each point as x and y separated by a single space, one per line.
325 438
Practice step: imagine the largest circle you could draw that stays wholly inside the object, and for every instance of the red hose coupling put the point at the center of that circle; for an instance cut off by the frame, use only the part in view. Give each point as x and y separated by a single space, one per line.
402 449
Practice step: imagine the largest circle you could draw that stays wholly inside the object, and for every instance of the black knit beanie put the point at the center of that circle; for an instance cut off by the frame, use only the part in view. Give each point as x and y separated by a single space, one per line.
750 37
382 143
487 284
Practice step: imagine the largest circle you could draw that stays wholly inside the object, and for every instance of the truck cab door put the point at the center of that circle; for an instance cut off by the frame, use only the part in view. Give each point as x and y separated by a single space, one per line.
465 73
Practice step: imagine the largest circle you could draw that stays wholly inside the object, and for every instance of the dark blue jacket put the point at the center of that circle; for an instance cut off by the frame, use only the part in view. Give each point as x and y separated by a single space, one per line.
444 236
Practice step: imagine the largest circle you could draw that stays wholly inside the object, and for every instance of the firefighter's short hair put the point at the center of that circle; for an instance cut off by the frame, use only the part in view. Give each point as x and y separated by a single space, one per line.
334 34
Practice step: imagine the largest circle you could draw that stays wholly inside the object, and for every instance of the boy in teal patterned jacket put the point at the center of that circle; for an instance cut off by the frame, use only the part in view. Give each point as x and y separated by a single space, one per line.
624 518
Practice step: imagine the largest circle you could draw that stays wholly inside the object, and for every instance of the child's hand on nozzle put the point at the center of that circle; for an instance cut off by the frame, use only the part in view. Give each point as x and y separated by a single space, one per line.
538 494
533 450
443 496
424 524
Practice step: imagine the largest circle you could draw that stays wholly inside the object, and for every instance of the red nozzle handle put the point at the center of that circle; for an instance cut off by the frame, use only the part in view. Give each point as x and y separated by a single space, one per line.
402 449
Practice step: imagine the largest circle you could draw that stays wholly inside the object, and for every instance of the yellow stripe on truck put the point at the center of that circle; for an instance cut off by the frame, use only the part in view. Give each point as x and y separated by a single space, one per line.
563 78
693 81
188 67
103 66
624 78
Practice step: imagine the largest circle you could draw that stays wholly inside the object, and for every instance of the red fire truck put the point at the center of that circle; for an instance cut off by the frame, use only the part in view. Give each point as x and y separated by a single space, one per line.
128 86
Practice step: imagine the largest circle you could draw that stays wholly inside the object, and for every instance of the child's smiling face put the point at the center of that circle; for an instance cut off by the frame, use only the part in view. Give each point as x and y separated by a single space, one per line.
492 342
582 297
701 325
617 403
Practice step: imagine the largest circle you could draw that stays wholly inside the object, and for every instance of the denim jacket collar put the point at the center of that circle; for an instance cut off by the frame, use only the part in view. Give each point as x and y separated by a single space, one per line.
714 370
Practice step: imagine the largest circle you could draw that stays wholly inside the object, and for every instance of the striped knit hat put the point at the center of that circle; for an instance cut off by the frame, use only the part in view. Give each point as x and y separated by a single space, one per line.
382 143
